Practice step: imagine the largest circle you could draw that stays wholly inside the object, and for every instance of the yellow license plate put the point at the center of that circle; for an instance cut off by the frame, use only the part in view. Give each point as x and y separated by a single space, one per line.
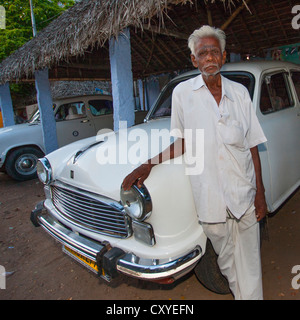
90 264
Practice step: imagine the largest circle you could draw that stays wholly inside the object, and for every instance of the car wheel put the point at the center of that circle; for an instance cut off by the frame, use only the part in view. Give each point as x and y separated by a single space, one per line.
208 272
21 163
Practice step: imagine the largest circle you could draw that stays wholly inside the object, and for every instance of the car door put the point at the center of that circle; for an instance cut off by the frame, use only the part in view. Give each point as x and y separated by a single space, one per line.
73 123
279 117
101 109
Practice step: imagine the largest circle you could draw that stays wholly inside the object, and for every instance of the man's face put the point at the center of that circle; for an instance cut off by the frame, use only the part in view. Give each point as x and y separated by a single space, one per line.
208 57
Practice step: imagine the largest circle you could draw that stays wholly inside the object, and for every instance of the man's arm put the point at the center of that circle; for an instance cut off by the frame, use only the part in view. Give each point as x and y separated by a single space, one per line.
140 174
260 201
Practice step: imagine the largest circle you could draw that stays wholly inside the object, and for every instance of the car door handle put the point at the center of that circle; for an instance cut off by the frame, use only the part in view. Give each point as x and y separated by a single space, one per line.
84 121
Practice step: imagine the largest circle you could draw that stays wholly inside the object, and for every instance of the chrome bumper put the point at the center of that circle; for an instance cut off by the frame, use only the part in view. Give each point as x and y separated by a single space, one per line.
111 260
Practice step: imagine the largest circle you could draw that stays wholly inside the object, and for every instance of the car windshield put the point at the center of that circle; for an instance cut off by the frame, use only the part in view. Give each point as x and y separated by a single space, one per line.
36 115
162 106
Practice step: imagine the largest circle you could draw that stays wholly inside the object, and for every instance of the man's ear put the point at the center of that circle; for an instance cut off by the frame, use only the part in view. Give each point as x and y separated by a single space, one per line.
194 62
224 57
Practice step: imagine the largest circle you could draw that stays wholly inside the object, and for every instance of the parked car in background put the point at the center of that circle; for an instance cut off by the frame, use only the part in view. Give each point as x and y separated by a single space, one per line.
1 120
76 118
153 233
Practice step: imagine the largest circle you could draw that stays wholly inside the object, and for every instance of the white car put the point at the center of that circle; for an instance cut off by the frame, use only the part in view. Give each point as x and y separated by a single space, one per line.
76 117
152 233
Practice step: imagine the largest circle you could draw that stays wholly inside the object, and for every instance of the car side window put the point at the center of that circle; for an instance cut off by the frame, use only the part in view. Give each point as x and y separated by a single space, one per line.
275 93
296 81
70 111
101 107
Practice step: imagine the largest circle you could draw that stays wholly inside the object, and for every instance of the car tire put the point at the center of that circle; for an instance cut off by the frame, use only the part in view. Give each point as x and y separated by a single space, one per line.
208 272
21 163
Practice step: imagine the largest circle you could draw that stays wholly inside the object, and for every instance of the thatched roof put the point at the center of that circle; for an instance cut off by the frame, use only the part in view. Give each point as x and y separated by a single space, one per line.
75 45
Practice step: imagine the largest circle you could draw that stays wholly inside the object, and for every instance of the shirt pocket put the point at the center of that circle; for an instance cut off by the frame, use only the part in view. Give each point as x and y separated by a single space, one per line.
231 132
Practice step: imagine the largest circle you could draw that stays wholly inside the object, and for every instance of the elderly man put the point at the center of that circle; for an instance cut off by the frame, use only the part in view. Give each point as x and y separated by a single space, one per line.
229 193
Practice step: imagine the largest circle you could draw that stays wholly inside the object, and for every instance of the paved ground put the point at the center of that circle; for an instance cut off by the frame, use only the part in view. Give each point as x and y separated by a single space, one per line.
36 268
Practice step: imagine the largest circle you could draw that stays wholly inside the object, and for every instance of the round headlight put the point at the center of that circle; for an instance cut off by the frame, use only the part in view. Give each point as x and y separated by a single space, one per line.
44 171
137 202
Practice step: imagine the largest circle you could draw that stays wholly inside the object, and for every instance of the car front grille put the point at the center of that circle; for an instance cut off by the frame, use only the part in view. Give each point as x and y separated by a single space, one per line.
86 211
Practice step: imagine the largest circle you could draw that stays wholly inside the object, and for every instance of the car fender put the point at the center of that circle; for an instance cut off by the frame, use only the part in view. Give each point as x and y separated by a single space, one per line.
174 218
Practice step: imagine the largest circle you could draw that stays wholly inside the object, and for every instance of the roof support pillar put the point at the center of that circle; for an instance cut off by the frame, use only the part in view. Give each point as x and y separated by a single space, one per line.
122 79
6 105
44 99
143 94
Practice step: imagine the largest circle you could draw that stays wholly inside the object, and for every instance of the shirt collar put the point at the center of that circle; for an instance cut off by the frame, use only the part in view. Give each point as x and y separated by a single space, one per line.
199 83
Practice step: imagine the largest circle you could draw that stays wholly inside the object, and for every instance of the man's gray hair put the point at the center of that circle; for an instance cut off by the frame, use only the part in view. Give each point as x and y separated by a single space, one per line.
207 31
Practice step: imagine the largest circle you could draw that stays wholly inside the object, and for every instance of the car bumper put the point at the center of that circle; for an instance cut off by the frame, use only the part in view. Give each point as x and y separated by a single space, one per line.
108 261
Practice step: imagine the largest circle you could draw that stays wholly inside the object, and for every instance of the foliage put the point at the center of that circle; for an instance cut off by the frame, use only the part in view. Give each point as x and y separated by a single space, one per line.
18 30
18 21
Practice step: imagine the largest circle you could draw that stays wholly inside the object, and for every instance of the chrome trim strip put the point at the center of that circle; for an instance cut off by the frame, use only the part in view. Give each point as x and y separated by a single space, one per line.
154 272
69 238
83 150
129 264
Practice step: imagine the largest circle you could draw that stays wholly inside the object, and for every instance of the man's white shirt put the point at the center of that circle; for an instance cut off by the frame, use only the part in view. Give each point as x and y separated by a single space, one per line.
230 130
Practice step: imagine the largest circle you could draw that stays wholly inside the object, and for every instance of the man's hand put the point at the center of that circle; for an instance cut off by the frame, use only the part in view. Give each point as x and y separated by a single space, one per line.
260 205
260 200
137 176
140 174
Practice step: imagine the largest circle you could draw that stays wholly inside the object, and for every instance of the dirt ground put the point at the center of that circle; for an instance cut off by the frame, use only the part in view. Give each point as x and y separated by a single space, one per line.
37 269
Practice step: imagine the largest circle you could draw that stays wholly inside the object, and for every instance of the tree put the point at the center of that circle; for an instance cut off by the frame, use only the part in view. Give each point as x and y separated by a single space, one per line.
19 30
18 21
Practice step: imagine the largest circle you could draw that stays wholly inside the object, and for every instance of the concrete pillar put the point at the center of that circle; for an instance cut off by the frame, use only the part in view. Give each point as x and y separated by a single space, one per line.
6 105
45 103
121 78
153 90
149 90
143 94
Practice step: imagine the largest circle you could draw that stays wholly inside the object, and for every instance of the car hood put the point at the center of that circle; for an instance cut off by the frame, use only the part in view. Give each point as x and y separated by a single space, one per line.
100 164
17 128
20 134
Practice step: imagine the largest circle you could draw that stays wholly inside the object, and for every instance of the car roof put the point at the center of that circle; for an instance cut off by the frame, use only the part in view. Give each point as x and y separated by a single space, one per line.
92 96
255 67
259 65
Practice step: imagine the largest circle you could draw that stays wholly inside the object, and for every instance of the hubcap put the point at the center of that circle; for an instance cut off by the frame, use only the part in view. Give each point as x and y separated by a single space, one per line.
26 164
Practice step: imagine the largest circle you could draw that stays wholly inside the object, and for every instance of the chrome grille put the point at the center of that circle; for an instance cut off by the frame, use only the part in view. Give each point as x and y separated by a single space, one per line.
90 213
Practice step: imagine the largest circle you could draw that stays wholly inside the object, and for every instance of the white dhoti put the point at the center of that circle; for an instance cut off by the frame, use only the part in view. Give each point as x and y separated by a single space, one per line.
237 244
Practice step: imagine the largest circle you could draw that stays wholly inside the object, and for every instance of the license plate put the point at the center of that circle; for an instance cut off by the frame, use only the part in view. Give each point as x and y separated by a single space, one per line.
87 262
